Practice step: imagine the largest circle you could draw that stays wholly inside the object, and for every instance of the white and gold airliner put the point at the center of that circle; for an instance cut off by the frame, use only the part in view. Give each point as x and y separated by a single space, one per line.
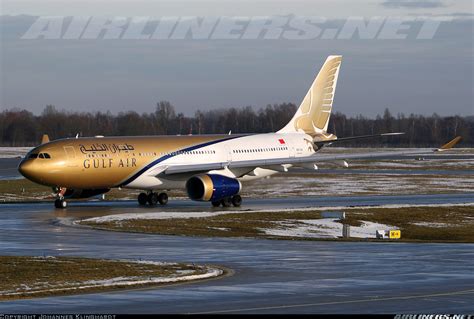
210 167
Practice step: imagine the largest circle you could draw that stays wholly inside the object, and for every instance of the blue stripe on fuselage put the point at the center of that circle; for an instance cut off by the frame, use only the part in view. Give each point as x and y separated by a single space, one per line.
161 159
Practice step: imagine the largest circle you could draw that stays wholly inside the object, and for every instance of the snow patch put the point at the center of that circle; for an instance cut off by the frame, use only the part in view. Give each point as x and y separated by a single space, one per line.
12 152
323 228
432 225
219 228
359 184
147 216
171 215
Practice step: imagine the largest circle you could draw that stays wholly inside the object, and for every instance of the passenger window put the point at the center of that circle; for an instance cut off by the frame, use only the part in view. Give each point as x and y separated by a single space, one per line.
46 155
35 155
41 155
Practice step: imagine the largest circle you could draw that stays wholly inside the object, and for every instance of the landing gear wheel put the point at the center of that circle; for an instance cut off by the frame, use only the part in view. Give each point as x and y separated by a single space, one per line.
236 200
60 203
142 199
216 203
163 198
226 202
152 199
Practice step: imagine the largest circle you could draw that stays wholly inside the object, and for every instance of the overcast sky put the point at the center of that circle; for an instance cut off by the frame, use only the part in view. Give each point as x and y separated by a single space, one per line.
406 75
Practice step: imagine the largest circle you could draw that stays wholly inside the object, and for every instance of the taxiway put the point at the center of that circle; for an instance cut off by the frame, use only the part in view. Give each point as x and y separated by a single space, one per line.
271 276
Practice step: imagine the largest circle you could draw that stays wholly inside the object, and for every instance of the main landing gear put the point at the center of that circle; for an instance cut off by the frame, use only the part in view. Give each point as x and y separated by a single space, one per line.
152 198
235 200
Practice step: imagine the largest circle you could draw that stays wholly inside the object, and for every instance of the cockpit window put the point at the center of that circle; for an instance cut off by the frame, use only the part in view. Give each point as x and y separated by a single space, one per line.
40 155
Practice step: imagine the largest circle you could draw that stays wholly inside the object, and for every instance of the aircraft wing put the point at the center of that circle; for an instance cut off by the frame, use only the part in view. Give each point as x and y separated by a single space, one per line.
316 158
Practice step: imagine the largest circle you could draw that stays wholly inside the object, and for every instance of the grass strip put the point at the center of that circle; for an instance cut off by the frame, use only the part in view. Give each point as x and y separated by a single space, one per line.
445 223
26 276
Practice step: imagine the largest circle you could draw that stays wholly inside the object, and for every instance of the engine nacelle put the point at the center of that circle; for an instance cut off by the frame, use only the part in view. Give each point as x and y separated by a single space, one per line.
212 187
84 193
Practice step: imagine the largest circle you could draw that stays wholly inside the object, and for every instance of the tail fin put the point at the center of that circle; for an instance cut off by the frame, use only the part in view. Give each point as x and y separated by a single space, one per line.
312 117
45 139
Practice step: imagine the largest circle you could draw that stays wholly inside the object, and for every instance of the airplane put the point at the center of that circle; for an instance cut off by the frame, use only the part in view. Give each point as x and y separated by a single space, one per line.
209 167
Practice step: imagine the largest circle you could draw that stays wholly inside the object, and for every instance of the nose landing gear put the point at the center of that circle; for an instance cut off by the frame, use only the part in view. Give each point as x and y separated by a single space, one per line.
152 198
60 201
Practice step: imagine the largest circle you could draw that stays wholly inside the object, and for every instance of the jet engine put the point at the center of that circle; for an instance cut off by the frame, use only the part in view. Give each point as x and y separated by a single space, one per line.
212 187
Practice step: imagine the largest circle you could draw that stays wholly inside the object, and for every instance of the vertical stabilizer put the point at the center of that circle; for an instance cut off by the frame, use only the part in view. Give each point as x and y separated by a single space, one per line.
312 117
45 139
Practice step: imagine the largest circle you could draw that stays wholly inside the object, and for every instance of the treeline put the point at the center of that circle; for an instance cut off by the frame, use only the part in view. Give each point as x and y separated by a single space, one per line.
23 128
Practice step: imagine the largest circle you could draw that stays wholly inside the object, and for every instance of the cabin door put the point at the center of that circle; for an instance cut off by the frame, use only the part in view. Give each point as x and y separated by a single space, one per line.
71 156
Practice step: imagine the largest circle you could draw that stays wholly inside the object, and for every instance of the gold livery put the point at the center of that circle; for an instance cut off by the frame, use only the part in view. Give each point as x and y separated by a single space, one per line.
210 167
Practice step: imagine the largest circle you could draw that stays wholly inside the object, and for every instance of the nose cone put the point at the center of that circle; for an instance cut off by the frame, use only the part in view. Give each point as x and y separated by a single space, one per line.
27 169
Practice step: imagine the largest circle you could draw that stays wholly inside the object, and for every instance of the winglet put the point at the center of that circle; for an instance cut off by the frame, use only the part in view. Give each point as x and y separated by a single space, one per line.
45 139
450 144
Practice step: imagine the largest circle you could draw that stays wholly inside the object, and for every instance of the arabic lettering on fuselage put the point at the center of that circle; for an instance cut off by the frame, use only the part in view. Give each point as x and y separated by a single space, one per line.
114 148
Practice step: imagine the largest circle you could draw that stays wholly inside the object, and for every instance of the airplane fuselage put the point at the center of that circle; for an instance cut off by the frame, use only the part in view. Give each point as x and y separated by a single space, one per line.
135 162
